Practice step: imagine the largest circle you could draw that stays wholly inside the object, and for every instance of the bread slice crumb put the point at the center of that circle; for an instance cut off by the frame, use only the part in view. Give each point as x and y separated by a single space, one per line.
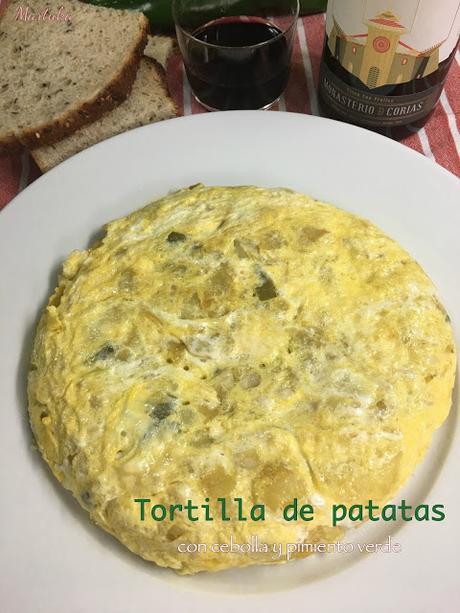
160 48
149 102
56 76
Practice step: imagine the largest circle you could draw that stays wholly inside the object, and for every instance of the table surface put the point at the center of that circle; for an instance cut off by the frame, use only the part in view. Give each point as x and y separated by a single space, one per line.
439 139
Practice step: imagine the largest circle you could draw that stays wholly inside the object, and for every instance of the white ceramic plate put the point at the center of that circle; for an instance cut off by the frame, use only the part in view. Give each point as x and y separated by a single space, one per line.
52 559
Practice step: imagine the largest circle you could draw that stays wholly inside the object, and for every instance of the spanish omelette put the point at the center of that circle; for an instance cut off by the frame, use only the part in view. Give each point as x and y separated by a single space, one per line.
237 342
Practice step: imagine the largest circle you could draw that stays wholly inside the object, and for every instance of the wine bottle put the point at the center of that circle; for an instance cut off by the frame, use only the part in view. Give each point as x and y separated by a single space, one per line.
385 62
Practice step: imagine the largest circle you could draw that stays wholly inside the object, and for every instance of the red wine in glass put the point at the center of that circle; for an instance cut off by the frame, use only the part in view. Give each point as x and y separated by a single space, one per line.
238 63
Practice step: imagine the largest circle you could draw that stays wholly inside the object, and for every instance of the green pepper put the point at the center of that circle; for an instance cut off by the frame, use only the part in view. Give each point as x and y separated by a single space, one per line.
160 15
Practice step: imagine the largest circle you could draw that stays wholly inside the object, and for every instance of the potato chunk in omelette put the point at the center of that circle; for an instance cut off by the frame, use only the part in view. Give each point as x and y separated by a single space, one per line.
237 342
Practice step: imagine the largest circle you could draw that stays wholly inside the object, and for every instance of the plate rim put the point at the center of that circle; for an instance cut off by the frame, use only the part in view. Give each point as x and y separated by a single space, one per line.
20 202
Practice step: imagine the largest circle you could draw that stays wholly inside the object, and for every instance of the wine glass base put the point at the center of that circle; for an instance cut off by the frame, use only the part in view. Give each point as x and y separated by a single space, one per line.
211 108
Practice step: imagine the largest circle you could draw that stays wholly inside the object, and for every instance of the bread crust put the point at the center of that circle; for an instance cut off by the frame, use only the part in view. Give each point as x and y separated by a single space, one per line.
9 145
115 92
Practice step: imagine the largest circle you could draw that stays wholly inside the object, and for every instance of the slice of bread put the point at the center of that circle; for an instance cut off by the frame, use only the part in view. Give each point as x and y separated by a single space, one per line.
57 75
160 48
149 102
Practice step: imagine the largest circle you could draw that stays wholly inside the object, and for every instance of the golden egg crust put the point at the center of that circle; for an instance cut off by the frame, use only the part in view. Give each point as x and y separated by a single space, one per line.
237 342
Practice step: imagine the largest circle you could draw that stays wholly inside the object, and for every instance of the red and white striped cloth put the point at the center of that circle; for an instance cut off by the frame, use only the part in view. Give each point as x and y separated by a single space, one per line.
439 139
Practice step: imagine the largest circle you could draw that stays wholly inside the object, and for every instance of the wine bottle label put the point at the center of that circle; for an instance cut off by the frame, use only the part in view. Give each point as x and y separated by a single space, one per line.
370 109
384 43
